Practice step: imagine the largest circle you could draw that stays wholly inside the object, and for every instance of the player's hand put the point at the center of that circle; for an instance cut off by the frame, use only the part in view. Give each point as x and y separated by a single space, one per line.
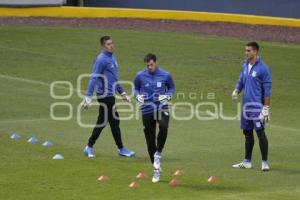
264 115
140 99
125 97
235 94
163 99
87 102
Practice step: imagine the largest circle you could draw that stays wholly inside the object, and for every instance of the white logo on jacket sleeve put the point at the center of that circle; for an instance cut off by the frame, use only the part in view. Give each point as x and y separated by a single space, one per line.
254 74
158 84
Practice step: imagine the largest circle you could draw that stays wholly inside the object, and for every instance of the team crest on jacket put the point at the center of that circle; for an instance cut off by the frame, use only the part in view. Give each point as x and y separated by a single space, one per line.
254 74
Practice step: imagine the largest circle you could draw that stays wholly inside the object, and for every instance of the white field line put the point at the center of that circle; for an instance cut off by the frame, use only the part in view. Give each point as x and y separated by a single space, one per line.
24 80
75 89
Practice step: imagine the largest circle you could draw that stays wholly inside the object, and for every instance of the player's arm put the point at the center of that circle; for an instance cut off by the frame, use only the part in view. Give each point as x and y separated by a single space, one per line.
97 70
137 87
267 86
238 87
267 101
170 90
122 92
170 85
120 88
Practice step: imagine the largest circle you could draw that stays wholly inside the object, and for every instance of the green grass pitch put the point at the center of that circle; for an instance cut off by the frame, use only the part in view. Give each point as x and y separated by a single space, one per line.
199 64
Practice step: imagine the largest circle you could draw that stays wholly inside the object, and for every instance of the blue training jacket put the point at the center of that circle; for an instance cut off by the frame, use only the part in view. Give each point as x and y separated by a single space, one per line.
104 76
151 85
256 84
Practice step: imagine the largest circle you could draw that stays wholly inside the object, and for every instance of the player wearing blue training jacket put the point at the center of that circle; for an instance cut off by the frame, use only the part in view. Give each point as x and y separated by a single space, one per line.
255 81
153 88
104 78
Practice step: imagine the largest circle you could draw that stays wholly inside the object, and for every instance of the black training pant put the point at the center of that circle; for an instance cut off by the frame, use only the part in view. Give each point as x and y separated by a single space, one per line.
107 113
249 143
155 143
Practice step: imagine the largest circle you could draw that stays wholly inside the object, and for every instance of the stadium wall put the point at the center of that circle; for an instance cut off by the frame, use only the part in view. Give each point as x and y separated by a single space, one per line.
88 12
275 8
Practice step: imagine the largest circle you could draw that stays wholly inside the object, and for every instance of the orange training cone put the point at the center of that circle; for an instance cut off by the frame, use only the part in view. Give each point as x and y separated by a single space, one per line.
212 179
134 184
175 181
179 173
141 175
103 178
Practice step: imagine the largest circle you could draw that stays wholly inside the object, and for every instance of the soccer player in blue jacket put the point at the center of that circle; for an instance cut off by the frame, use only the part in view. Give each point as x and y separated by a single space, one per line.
255 81
153 88
104 78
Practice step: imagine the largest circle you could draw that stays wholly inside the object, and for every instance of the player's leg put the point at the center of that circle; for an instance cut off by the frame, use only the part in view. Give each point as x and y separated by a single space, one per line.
114 122
100 124
263 141
149 124
264 146
247 127
249 143
163 121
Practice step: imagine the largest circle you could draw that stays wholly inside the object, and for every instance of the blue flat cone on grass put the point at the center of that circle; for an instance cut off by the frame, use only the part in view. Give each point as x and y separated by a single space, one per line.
58 157
47 144
32 140
15 136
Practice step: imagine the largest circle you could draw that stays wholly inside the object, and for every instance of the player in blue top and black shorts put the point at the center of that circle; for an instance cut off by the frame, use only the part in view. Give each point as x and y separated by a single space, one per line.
153 88
255 81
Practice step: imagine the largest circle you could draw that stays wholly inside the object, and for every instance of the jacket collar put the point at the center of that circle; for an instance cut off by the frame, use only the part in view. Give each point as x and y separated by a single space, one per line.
155 72
107 53
258 60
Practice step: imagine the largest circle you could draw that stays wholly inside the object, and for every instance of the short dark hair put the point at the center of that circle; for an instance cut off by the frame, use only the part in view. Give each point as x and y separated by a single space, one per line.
254 45
149 57
103 39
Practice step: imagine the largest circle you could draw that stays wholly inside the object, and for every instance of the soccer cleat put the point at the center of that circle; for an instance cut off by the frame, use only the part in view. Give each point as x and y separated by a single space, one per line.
265 166
126 152
156 175
243 165
89 152
157 158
